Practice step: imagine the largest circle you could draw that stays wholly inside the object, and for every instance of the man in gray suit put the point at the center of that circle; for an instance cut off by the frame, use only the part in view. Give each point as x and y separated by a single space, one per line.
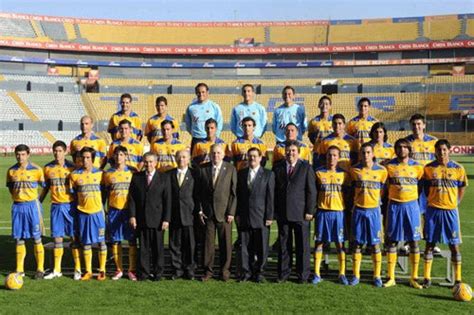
217 205
255 191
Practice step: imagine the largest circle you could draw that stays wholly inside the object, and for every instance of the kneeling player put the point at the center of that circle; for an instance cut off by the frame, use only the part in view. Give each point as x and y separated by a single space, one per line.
116 182
445 183
85 184
369 179
403 215
332 184
23 180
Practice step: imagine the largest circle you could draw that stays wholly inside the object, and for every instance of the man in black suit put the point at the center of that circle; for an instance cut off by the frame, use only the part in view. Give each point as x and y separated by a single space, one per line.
255 203
150 212
182 214
295 201
217 197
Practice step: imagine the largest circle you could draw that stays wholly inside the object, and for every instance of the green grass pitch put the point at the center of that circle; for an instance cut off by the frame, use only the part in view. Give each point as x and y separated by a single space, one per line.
66 296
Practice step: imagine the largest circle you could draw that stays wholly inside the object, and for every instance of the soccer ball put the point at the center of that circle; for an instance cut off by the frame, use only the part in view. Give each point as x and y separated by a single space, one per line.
14 281
462 292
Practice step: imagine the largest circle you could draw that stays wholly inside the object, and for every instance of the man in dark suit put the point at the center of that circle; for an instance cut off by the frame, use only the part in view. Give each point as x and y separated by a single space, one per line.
182 213
255 203
295 201
150 212
217 197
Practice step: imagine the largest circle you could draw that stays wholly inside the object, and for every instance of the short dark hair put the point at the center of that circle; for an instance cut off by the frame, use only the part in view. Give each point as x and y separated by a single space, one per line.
338 116
160 99
248 119
288 87
374 128
295 143
120 148
88 150
247 85
59 143
201 84
22 148
441 142
363 99
125 122
291 124
167 122
333 147
367 145
256 150
324 97
401 141
417 116
210 121
125 95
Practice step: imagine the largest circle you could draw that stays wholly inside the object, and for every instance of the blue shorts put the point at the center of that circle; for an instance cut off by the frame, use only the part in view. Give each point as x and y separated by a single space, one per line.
62 219
403 221
423 201
118 226
27 220
329 226
91 227
442 226
366 226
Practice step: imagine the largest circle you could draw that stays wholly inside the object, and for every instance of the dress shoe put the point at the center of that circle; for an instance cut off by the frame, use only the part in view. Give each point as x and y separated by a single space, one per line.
206 277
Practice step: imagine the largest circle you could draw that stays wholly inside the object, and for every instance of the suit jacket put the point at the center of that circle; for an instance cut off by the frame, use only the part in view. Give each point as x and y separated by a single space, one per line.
218 201
255 205
295 196
182 198
150 205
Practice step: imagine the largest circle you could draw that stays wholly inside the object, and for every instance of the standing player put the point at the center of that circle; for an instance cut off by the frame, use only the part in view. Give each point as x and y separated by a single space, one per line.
288 112
153 125
134 147
359 126
291 134
242 144
85 184
368 180
446 183
23 180
403 217
248 108
320 127
167 147
202 148
62 211
199 111
116 182
339 138
383 150
332 183
87 138
125 113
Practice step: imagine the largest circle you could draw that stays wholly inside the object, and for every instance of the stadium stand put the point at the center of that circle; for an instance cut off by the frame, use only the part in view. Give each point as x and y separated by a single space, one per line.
65 136
9 108
442 28
373 31
16 28
314 34
32 138
470 27
54 30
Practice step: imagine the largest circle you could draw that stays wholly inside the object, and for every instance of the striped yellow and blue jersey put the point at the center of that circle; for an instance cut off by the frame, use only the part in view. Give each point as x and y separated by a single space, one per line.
93 142
403 180
368 184
202 149
116 182
87 187
57 180
319 129
331 187
423 151
359 128
153 127
118 117
135 151
442 184
383 152
348 145
239 150
166 153
24 182
279 152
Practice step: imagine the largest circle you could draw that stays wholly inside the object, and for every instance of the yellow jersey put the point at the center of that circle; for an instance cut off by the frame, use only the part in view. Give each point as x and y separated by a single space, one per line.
93 142
403 180
166 153
319 129
383 152
368 184
118 117
57 180
442 184
423 151
24 182
331 187
359 128
135 152
153 127
348 145
202 148
116 183
239 150
87 187
279 152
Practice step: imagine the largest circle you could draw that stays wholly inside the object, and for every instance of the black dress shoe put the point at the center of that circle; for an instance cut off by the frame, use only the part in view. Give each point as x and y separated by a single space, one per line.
176 276
260 279
245 278
302 281
282 280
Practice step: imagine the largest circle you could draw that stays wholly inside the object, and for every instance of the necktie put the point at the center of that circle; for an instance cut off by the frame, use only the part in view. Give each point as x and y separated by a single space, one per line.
149 177
180 178
291 169
250 179
214 177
